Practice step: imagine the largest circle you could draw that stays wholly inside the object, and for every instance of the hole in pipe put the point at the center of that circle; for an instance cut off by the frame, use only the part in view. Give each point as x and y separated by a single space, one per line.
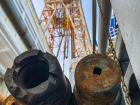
97 71
33 74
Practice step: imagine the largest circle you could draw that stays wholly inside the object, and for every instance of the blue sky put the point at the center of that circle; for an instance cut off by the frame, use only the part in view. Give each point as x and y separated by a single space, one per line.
87 8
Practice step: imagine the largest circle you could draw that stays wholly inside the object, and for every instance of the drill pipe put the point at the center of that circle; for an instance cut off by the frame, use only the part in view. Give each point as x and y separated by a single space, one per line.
36 78
97 81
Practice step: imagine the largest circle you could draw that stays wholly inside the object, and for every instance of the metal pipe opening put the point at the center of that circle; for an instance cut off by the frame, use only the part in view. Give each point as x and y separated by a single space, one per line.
97 71
33 74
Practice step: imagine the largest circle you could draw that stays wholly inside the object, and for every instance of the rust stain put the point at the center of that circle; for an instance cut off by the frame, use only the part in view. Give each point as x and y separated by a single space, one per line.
2 98
10 100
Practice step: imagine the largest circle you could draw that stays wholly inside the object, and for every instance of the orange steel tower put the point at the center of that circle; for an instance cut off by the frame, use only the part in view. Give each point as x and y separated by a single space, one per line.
65 22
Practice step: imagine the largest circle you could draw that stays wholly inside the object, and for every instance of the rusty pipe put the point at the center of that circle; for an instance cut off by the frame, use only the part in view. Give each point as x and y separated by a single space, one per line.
36 78
97 81
17 21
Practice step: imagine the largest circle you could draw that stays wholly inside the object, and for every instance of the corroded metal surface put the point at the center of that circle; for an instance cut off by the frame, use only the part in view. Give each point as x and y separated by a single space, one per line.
2 98
10 100
36 78
97 81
